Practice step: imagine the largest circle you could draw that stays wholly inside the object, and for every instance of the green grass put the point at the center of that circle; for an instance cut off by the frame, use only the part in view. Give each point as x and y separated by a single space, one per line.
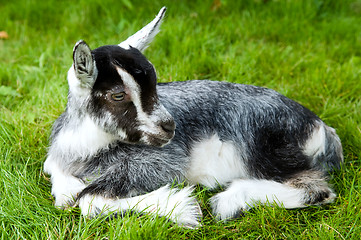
308 50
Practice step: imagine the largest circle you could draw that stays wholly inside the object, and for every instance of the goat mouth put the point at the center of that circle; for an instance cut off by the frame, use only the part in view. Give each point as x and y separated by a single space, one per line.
157 140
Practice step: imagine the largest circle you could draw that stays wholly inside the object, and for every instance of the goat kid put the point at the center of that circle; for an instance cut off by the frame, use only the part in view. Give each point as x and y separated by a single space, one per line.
123 139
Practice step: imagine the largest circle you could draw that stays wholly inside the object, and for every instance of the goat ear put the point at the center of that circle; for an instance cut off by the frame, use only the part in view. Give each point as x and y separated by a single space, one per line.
84 64
144 36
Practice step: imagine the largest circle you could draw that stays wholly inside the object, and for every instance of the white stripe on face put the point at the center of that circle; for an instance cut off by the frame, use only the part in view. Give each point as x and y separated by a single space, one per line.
149 124
134 89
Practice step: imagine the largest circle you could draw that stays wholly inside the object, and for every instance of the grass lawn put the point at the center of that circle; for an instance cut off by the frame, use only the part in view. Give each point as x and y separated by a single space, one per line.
309 51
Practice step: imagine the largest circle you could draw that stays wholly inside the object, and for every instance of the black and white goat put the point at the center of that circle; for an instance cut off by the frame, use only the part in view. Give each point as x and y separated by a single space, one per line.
123 139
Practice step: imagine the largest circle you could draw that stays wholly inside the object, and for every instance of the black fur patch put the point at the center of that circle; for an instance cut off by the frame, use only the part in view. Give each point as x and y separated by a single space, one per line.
133 62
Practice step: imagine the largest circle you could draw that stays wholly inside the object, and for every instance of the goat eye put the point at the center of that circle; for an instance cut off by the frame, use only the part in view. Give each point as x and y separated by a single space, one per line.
118 96
137 71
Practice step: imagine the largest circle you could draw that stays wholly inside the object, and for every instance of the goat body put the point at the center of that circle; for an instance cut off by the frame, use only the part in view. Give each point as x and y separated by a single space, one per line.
123 139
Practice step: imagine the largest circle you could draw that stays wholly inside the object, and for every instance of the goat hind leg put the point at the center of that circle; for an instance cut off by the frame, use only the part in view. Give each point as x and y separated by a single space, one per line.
305 188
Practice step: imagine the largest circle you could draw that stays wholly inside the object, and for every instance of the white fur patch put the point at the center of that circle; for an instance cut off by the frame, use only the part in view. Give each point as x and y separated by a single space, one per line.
214 163
178 206
64 186
315 145
245 194
83 140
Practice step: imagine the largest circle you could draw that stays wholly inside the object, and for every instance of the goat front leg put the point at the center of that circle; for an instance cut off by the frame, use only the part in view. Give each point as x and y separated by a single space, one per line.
65 187
111 193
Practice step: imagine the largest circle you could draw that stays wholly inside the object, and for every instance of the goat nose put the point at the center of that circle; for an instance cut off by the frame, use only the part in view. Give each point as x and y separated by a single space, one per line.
168 126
